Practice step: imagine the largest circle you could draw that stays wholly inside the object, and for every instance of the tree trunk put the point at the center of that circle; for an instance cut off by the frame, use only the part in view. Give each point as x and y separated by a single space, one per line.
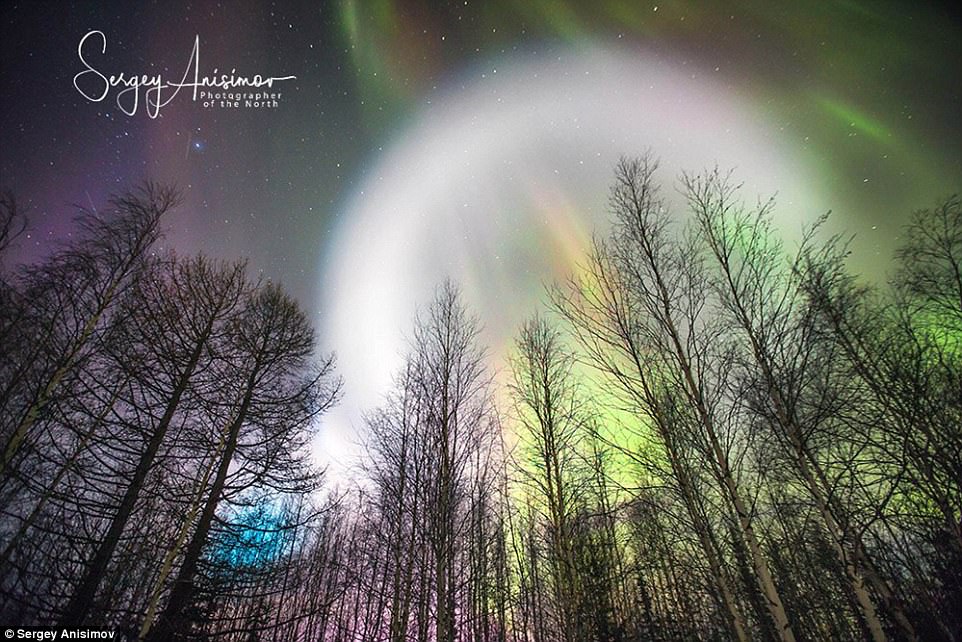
172 624
83 596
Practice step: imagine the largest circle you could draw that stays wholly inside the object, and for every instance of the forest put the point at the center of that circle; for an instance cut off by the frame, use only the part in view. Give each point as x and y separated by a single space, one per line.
708 432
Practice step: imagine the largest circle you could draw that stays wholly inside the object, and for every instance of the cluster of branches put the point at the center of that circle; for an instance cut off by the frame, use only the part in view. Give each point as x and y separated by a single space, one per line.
797 435
155 411
708 437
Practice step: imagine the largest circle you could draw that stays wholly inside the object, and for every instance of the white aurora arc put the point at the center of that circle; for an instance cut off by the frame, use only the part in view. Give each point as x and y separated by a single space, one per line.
499 183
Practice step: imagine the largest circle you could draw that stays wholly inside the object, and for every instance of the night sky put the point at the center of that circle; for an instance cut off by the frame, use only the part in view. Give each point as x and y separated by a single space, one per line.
473 140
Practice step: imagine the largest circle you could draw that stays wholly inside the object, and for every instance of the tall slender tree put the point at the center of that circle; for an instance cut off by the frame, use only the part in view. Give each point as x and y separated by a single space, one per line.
277 392
176 323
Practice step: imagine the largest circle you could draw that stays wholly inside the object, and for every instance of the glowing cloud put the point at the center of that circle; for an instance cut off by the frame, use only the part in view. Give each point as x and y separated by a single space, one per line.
499 184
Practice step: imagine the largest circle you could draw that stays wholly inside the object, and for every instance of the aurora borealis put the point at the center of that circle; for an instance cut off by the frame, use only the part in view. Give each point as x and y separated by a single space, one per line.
475 140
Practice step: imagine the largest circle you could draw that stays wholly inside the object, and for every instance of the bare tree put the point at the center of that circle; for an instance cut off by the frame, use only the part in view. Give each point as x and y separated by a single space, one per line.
176 321
98 268
752 281
553 421
458 424
276 394
397 468
900 357
644 319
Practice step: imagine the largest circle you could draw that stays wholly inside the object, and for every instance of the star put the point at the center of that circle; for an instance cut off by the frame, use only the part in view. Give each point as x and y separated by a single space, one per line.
197 145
